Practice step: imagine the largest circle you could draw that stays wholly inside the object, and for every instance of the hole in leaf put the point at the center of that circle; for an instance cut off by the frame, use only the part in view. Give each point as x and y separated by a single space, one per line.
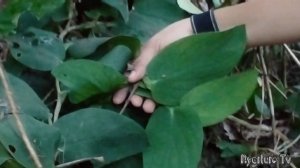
19 54
65 75
35 42
11 148
29 34
16 45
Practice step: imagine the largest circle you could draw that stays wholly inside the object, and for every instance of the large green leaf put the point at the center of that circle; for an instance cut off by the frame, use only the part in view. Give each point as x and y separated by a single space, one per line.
121 6
26 99
13 8
143 22
86 78
192 61
100 133
44 138
175 138
37 49
85 47
217 99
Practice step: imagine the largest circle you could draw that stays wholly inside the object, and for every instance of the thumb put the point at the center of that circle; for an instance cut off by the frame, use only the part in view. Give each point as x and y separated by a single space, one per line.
136 74
141 63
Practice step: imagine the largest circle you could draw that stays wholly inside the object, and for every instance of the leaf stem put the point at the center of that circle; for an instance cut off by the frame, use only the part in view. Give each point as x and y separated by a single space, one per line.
61 96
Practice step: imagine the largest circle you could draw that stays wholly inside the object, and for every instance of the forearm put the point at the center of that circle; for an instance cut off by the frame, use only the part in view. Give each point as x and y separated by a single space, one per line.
267 21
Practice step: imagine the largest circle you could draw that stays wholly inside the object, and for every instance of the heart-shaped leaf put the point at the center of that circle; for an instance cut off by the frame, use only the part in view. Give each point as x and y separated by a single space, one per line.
100 133
44 138
86 78
26 99
37 49
175 138
217 99
192 61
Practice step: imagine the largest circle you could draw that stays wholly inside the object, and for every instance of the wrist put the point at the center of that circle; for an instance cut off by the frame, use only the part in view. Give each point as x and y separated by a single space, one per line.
204 22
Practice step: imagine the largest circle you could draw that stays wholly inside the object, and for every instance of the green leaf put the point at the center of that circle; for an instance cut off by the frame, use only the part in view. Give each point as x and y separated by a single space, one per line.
85 47
26 99
217 99
233 149
100 133
117 58
262 107
143 22
4 155
11 164
175 138
44 138
37 49
192 61
86 78
294 102
121 6
27 20
13 8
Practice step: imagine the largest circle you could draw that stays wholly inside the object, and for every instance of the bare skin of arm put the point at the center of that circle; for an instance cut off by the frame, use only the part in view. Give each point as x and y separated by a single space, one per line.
267 22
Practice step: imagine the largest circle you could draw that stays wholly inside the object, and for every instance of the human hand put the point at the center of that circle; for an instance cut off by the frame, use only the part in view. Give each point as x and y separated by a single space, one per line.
159 41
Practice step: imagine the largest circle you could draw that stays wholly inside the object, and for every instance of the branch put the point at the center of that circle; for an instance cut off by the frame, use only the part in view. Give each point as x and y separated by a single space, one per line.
12 105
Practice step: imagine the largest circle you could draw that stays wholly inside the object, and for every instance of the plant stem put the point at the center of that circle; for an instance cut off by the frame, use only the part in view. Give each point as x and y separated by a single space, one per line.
248 125
12 105
61 96
86 25
135 86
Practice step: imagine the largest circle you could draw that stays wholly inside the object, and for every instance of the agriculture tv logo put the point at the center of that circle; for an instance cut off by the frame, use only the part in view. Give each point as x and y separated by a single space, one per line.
264 159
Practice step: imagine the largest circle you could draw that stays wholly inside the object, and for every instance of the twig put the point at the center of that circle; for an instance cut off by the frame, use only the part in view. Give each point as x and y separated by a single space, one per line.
261 127
292 54
48 95
99 159
258 133
86 25
277 89
265 72
12 105
135 86
290 144
61 96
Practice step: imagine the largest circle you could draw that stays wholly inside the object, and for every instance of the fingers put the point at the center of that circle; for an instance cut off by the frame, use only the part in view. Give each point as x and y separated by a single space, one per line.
149 106
120 96
136 101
